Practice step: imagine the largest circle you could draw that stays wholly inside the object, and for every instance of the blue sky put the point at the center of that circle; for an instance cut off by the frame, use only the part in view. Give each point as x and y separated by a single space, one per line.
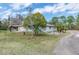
49 10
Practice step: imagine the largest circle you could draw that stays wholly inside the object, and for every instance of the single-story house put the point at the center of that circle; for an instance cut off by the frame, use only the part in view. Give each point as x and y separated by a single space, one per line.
20 28
49 28
16 25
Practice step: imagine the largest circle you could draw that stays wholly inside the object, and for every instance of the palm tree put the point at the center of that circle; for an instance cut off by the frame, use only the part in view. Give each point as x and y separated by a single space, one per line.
64 22
77 22
54 21
70 20
63 18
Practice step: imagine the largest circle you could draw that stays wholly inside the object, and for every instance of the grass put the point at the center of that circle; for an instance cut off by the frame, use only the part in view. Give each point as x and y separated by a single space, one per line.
18 44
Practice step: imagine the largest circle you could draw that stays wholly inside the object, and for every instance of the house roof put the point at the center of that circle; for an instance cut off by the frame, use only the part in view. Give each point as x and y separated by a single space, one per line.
15 25
50 25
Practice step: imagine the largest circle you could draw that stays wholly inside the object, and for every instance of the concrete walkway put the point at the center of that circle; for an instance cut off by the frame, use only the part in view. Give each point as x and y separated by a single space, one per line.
68 45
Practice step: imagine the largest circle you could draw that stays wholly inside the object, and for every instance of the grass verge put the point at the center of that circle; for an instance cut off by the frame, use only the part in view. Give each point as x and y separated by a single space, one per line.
19 44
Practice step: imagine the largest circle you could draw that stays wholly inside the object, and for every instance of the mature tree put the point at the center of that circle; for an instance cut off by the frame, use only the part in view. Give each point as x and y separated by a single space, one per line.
60 23
54 21
63 19
64 23
77 22
70 20
0 24
77 19
4 25
37 21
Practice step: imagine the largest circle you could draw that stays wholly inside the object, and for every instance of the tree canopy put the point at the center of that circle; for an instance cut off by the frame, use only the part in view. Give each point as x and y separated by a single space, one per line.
36 21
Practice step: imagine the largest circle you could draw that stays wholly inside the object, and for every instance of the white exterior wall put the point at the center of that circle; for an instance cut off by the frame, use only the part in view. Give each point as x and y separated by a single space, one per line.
48 29
21 29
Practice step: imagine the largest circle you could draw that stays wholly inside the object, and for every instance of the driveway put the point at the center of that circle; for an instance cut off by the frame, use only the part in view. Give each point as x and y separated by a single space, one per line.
68 45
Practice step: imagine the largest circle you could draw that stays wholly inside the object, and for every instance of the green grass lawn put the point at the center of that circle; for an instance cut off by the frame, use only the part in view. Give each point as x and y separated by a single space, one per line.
17 43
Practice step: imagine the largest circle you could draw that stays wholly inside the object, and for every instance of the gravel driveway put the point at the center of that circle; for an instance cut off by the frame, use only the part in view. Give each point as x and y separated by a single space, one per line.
68 45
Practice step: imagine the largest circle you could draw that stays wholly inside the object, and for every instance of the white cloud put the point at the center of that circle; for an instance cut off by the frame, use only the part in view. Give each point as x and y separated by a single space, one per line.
50 9
0 7
27 4
18 6
45 9
24 13
71 8
15 6
6 13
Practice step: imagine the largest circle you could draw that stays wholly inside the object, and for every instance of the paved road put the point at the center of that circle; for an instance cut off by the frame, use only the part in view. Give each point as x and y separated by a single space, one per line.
68 45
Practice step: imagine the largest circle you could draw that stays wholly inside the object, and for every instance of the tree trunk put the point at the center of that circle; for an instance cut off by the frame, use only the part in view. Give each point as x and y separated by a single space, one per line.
24 33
